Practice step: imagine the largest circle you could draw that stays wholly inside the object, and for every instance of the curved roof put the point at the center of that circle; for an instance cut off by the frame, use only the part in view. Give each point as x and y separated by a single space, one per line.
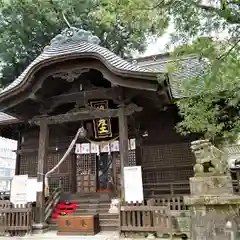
76 42
190 67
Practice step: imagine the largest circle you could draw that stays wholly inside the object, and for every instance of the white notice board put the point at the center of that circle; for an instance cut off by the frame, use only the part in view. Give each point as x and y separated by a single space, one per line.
133 184
32 190
19 189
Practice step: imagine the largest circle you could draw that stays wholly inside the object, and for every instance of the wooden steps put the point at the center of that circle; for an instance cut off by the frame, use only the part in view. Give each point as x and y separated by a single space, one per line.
93 203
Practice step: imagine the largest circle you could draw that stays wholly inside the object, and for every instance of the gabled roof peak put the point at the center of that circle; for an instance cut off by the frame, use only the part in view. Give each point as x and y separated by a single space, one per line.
73 34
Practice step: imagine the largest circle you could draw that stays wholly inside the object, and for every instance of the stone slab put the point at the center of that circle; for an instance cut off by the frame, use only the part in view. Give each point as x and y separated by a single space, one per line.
211 185
211 222
40 228
52 235
211 200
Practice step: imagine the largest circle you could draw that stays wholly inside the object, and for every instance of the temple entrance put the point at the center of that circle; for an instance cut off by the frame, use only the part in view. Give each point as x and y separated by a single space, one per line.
104 173
95 173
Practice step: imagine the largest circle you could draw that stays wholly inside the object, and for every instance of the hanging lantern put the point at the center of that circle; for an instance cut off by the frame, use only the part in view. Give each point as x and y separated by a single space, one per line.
82 133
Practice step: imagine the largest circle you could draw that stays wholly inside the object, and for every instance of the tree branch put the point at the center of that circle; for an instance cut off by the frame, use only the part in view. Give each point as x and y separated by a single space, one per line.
55 10
230 17
160 4
229 51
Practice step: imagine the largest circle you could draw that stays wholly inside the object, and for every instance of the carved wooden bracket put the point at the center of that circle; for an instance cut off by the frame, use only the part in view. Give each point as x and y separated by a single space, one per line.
70 76
86 114
80 98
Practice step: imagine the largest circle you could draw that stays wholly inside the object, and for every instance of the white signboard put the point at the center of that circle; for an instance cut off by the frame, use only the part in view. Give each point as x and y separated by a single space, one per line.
133 184
19 189
32 190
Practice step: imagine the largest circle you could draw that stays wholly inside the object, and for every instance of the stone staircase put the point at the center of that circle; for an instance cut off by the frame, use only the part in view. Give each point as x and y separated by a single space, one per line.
89 203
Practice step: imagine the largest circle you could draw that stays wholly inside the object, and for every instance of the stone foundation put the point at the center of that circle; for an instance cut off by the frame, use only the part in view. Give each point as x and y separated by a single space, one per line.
214 209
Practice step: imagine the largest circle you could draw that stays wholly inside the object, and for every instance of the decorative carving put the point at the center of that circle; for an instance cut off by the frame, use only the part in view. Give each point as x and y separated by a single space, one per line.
210 161
131 108
71 75
73 34
87 113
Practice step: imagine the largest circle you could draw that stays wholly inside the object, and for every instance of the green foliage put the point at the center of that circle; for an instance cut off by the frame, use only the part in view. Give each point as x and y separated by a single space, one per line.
212 103
27 26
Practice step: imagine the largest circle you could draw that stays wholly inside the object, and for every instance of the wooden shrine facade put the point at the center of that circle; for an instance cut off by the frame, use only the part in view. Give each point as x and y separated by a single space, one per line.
165 157
54 97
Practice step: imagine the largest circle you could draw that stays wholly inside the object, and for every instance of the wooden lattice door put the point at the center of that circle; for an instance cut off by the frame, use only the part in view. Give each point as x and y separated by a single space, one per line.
86 173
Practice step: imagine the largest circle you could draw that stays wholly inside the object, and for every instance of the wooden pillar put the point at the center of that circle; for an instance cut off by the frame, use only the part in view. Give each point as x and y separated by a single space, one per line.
18 160
42 158
123 143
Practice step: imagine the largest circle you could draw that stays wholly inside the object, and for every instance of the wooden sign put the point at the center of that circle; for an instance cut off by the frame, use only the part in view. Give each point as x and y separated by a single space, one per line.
78 225
102 127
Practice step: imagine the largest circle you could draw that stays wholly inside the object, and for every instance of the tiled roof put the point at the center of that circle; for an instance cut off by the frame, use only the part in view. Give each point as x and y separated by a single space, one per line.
189 67
78 48
77 42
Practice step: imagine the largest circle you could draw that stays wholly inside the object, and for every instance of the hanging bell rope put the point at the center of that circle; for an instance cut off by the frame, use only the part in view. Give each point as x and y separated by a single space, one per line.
79 133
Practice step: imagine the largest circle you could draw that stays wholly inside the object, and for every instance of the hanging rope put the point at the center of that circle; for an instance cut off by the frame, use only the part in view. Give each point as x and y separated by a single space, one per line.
61 161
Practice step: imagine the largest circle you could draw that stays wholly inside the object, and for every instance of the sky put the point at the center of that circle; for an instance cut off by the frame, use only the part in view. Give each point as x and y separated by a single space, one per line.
156 46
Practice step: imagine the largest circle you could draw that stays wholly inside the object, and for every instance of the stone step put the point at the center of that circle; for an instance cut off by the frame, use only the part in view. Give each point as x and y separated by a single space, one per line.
102 216
84 196
104 222
83 205
92 210
109 222
107 228
90 201
111 216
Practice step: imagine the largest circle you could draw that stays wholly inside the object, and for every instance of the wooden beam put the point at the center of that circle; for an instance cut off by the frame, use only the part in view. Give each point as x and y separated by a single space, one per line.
104 93
42 159
86 114
81 98
123 144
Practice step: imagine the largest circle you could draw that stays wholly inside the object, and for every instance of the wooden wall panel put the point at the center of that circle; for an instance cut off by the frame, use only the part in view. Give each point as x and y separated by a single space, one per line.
28 164
166 163
58 144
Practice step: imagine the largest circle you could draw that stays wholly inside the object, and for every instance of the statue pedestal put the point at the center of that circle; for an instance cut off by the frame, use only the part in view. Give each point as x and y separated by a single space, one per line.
213 208
211 185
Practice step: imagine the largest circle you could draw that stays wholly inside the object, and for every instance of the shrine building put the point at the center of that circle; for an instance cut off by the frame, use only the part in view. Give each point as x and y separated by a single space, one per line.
125 111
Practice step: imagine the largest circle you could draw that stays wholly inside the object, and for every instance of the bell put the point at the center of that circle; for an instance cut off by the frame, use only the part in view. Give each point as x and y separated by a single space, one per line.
83 132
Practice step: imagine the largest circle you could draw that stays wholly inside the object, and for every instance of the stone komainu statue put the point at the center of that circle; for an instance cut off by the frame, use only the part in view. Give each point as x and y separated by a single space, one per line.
210 161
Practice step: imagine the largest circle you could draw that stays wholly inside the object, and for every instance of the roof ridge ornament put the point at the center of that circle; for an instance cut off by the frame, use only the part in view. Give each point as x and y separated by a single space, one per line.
73 34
